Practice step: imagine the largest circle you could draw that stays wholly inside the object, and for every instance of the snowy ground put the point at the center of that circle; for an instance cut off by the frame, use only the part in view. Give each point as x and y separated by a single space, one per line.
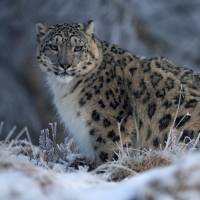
21 178
28 172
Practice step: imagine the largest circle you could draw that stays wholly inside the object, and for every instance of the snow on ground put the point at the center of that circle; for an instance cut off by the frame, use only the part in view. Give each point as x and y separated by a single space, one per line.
22 177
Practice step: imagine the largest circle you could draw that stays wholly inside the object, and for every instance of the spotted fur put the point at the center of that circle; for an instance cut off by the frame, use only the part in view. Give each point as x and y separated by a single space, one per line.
97 86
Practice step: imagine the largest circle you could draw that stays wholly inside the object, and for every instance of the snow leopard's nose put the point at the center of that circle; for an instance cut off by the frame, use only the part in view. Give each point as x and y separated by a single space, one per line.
63 58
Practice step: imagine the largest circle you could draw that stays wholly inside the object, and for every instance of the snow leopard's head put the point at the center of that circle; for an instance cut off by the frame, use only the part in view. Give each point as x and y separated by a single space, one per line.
67 50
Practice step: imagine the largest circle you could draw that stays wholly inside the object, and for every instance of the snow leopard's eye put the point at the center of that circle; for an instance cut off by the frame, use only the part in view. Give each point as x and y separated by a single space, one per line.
78 48
53 47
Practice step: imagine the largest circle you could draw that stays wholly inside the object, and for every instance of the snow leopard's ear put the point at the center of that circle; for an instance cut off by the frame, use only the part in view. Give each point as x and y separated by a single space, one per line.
41 30
89 27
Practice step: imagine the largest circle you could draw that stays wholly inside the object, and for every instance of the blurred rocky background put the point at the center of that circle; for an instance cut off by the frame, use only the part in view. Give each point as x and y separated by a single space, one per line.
145 27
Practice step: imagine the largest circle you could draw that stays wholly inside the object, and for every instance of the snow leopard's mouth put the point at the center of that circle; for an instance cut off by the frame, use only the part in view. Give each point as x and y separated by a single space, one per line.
64 67
65 70
59 70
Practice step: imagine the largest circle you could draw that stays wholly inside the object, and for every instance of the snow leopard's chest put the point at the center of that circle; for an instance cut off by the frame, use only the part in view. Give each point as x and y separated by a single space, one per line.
68 109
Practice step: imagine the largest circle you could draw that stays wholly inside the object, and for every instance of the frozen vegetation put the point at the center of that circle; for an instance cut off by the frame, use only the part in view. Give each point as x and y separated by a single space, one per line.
145 27
54 171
